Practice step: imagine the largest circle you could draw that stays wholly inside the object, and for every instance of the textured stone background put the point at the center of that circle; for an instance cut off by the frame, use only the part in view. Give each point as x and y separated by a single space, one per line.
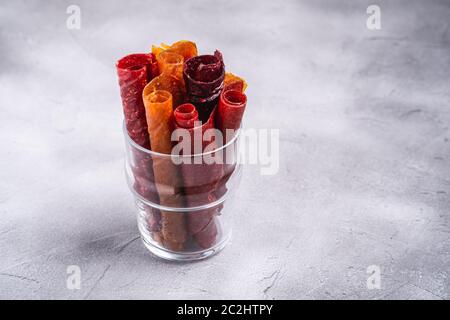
364 173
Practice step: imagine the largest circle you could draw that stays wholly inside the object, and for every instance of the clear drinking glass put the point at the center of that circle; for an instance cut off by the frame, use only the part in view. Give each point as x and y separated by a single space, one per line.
184 203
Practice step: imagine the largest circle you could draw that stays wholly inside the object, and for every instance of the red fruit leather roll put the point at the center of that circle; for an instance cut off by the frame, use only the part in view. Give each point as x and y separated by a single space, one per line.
134 72
203 76
199 179
230 111
229 117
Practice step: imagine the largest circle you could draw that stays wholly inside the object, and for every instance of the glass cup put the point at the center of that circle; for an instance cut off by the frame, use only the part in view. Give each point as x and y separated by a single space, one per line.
184 202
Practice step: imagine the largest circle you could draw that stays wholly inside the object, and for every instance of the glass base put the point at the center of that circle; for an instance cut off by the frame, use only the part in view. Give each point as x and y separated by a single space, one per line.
183 256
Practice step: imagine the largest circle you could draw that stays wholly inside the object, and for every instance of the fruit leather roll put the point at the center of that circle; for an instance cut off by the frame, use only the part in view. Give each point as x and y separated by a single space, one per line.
233 82
169 79
228 119
200 177
134 72
158 106
231 109
203 76
187 49
171 63
170 60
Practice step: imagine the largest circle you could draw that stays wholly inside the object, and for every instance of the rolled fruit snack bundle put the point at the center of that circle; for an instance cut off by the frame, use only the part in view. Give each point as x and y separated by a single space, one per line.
159 112
199 178
134 72
203 76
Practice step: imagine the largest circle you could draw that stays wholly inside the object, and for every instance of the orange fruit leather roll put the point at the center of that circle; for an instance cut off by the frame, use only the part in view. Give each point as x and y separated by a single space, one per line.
170 79
187 49
159 113
170 83
170 60
171 63
233 82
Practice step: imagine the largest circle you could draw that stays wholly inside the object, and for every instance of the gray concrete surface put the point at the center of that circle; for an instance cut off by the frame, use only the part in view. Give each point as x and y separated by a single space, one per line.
364 173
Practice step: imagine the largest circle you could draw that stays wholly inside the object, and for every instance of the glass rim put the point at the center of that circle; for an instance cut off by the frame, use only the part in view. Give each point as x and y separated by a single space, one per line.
165 155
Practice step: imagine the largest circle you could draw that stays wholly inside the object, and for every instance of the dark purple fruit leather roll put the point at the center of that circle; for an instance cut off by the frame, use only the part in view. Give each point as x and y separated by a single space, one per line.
203 76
